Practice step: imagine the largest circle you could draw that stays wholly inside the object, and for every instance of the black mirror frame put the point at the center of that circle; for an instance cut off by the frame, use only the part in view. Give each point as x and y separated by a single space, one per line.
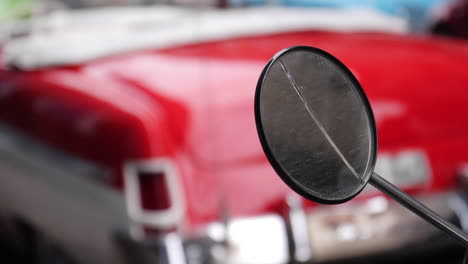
276 166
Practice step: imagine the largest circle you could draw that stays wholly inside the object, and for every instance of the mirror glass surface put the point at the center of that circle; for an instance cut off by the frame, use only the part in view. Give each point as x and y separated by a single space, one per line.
315 125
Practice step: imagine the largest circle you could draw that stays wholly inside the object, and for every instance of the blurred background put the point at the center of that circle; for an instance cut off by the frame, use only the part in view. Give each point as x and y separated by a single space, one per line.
127 131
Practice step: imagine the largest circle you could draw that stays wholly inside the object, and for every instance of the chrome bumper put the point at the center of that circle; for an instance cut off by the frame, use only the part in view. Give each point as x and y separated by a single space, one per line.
356 229
262 239
377 226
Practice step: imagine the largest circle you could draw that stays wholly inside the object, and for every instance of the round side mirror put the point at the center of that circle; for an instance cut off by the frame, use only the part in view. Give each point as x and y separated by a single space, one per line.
315 125
317 129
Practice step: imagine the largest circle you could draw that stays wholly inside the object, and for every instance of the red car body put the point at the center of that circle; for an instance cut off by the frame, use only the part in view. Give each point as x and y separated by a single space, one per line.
193 104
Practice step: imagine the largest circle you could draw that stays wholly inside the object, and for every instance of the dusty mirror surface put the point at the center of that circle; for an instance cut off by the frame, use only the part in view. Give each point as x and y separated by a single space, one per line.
315 125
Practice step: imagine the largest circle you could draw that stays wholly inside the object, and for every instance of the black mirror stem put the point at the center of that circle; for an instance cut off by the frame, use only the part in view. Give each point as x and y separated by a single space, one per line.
418 208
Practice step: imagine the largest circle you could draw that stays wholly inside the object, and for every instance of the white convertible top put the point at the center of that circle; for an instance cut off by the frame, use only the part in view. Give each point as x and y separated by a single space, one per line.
74 37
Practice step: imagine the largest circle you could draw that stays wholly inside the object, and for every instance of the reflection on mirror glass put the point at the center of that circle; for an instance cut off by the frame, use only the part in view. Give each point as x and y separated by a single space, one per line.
315 125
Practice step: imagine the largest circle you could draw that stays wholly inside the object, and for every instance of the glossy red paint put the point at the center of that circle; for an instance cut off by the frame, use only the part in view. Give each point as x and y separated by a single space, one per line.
195 104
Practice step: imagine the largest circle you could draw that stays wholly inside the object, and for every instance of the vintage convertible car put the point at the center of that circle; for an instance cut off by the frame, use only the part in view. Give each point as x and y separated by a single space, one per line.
128 136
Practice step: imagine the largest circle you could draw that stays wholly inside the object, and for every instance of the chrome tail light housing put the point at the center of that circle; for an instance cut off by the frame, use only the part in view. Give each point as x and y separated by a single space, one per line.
144 182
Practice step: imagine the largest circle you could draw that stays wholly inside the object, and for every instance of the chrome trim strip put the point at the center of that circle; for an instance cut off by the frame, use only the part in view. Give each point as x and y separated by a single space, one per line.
174 249
299 229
